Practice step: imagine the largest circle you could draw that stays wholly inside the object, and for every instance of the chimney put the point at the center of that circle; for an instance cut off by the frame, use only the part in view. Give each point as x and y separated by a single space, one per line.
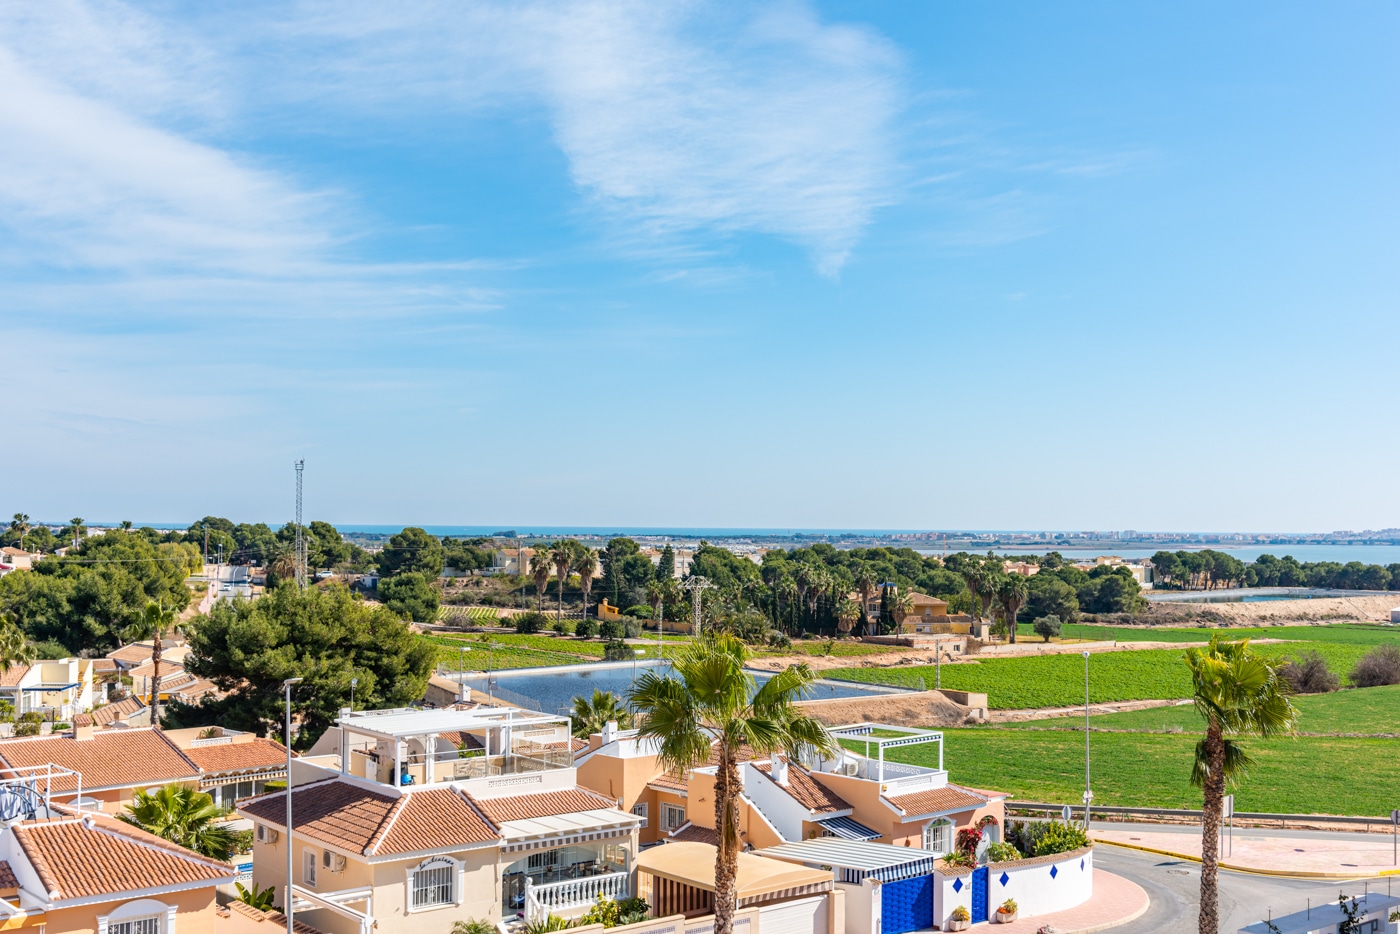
609 731
779 768
82 727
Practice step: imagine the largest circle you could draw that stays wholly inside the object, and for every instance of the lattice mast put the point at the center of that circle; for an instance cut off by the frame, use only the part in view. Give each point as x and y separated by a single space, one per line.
301 536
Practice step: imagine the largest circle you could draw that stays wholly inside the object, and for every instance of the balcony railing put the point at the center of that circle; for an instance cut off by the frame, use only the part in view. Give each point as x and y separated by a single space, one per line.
557 897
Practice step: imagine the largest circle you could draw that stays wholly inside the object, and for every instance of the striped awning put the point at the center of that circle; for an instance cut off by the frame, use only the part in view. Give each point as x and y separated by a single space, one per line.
849 829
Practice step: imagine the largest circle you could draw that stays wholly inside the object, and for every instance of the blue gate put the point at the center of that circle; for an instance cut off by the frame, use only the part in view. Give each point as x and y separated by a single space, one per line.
979 895
907 905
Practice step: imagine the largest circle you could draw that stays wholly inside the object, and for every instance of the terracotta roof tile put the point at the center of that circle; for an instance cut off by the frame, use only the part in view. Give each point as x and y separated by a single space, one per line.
693 834
805 790
542 804
133 654
8 882
110 759
121 710
193 689
239 757
13 675
936 801
433 819
331 811
458 737
356 819
85 858
168 670
670 781
104 665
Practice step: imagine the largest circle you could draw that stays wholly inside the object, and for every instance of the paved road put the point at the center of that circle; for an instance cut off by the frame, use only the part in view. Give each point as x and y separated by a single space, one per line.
1174 887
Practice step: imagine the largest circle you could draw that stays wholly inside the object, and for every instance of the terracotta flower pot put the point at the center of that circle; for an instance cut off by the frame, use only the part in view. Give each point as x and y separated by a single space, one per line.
1006 917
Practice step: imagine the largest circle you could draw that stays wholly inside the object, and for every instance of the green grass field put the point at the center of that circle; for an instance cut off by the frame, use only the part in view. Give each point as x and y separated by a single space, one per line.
1367 711
1303 775
1058 680
1343 633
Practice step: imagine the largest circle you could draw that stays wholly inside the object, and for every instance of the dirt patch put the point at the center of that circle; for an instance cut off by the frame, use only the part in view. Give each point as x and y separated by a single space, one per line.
924 708
1050 713
1276 612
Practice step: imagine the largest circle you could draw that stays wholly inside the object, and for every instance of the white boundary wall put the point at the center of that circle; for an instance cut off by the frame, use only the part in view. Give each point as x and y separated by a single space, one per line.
1039 886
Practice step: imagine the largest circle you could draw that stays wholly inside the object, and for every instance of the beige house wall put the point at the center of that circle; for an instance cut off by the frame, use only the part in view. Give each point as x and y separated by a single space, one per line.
194 913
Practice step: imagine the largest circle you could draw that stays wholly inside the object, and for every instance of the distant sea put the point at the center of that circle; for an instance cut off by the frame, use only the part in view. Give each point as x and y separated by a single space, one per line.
1366 554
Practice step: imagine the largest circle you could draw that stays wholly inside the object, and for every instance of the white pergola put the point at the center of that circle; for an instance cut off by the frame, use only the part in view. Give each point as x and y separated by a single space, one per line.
903 736
404 723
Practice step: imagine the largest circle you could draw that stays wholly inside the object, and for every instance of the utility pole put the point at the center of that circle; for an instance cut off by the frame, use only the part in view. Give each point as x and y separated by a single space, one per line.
301 538
697 585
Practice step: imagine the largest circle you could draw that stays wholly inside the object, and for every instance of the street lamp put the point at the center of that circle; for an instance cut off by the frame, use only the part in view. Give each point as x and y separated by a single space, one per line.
353 682
287 691
1088 795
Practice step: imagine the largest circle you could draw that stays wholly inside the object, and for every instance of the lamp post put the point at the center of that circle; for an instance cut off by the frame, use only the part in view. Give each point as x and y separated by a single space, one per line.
353 682
462 694
1088 795
287 691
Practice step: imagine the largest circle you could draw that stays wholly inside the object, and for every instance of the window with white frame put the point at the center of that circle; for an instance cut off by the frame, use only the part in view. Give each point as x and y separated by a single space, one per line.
433 883
147 925
672 817
938 836
309 858
641 811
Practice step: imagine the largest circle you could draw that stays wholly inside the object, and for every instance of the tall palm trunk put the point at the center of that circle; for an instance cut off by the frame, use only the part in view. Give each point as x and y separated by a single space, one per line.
727 787
155 680
1212 806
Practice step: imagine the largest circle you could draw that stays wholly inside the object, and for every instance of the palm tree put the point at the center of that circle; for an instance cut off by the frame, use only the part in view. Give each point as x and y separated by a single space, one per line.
786 593
539 570
711 706
847 613
126 525
20 524
78 530
903 605
591 714
1011 593
865 583
975 577
154 623
803 580
585 562
283 565
562 556
14 647
655 595
1237 693
185 817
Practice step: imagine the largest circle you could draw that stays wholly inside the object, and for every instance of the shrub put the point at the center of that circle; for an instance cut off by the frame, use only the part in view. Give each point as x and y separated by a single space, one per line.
618 651
961 860
1057 837
969 838
612 629
1377 667
586 628
530 621
633 628
1008 907
473 926
562 626
778 640
1002 853
548 924
639 611
1047 627
960 913
28 724
1309 674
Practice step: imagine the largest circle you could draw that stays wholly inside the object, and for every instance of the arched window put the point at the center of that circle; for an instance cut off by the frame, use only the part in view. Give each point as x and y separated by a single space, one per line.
143 916
433 883
938 836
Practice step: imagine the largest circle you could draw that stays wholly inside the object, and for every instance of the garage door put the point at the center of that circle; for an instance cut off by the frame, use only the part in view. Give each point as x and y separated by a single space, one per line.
807 916
907 905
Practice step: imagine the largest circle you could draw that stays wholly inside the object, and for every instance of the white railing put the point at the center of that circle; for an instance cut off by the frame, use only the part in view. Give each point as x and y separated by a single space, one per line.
554 897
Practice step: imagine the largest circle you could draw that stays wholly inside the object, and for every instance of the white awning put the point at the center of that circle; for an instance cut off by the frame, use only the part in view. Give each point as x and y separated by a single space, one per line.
859 859
537 833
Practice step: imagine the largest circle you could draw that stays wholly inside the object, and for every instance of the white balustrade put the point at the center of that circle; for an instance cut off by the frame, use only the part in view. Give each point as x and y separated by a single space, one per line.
554 897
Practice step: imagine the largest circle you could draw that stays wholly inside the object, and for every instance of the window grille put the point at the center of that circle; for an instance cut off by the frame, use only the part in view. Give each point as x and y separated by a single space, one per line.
148 925
433 886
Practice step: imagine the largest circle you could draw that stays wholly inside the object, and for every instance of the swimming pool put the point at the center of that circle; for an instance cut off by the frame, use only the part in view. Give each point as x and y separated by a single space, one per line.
553 689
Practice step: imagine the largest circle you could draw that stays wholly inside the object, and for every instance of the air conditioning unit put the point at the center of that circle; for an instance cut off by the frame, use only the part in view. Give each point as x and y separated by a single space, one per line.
332 861
853 768
266 834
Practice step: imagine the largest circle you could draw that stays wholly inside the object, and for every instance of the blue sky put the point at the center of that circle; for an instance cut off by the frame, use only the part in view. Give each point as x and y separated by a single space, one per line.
880 265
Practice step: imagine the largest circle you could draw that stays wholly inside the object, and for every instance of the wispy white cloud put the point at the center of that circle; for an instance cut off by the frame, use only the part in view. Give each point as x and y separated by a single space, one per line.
679 121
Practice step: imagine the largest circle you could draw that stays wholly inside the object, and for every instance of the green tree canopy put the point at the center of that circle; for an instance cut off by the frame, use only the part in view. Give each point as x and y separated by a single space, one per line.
412 550
324 636
410 596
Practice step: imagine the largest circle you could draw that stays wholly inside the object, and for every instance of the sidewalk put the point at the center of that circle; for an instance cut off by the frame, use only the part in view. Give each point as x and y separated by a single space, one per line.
1351 857
1116 901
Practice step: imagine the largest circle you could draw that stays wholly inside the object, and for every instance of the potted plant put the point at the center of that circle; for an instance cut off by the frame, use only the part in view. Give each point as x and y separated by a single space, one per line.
1007 912
959 919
